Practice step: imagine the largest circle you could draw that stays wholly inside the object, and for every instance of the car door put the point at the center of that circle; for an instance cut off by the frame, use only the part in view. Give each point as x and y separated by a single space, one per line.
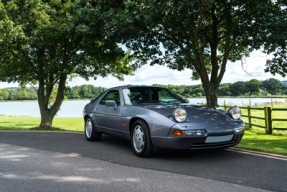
108 117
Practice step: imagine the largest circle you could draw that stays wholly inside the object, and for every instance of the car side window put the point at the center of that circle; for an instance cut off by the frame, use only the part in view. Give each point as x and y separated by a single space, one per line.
112 95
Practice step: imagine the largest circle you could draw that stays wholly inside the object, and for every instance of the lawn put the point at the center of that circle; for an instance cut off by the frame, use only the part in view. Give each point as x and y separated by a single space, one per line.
28 123
254 139
258 140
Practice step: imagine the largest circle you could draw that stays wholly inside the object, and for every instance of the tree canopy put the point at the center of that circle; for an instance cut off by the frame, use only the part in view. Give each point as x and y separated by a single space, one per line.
46 42
272 85
202 35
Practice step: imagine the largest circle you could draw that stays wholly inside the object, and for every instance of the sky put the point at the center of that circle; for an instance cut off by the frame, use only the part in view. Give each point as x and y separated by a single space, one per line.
148 75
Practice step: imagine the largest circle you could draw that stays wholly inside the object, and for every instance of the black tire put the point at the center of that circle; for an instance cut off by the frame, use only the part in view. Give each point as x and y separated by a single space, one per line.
93 135
145 149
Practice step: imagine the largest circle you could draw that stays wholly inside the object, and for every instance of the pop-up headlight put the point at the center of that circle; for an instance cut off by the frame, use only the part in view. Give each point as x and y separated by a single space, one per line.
179 115
234 112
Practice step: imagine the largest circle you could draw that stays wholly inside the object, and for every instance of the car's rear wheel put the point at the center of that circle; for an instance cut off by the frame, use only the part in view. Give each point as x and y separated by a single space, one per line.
90 132
141 141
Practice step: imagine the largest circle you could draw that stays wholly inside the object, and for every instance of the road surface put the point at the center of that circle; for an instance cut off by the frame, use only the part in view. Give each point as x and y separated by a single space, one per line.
56 161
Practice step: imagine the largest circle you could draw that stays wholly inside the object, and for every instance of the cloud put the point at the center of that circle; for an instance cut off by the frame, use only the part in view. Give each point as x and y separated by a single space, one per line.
148 75
4 85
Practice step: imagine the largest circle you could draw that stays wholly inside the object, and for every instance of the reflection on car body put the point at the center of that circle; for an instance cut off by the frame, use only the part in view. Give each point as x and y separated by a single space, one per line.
155 117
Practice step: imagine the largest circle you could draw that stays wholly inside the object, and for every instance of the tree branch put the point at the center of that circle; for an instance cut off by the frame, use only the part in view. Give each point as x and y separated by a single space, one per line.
23 63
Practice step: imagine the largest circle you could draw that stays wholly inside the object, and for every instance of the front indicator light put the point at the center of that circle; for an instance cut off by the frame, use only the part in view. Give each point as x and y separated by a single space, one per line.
200 132
177 133
239 129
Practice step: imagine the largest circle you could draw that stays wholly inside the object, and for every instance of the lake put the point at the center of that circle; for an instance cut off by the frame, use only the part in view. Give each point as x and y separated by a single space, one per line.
75 108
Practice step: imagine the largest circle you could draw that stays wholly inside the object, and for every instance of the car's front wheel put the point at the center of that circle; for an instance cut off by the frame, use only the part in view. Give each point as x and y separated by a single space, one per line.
90 132
141 141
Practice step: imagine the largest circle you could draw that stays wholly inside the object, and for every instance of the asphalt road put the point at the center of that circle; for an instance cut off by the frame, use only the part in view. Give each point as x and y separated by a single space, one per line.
53 161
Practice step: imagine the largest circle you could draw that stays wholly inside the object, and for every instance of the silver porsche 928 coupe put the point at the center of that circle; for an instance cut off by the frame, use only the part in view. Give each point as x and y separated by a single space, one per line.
154 117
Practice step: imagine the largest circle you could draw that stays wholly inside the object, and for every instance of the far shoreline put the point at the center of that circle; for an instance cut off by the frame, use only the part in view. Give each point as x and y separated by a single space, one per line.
239 97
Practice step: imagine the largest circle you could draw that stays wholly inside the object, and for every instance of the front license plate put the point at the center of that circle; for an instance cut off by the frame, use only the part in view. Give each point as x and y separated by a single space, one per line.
216 139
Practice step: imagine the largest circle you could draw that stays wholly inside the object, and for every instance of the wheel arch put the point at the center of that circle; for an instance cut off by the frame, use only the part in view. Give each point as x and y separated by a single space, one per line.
133 120
86 117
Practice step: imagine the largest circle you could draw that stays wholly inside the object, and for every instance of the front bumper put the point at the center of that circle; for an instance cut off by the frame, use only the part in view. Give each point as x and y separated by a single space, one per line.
193 142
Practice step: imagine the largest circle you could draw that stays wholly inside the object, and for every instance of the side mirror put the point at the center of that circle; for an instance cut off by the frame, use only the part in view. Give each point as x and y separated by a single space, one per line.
186 100
111 103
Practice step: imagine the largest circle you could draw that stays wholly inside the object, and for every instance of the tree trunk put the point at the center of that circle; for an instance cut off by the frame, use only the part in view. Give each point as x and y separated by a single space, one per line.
211 96
211 99
48 114
46 120
210 89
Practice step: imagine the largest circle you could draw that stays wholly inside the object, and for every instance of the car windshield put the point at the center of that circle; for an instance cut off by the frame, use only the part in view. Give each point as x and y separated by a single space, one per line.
136 95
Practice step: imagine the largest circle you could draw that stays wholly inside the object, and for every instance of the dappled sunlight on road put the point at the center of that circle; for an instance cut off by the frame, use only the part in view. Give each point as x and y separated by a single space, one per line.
11 155
49 168
56 178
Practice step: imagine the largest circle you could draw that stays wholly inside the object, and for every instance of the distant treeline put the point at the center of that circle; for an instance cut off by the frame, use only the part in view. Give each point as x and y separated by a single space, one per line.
253 88
77 92
83 92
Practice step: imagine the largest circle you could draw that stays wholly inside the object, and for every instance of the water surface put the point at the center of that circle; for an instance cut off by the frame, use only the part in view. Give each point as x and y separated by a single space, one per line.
75 108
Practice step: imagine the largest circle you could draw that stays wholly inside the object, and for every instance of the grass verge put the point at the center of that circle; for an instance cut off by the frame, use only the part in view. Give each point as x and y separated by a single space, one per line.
254 139
260 141
31 123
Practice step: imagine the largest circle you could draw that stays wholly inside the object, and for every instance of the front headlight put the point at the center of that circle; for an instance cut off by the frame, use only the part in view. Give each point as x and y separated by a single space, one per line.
179 115
234 112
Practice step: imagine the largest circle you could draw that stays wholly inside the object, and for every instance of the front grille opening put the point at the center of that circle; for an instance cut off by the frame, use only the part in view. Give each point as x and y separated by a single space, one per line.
213 145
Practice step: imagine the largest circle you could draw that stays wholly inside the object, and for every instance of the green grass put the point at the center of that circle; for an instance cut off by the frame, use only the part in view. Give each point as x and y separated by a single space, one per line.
254 139
31 123
260 141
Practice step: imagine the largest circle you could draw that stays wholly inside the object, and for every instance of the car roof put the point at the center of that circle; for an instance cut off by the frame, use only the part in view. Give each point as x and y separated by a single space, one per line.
129 86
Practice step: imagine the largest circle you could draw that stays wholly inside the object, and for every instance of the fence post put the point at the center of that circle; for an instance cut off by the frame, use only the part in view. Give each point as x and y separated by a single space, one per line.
268 120
224 106
249 116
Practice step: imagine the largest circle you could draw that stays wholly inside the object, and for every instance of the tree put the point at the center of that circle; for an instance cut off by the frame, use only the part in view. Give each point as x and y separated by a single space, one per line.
202 35
45 42
223 89
274 42
284 90
4 93
253 86
272 86
237 88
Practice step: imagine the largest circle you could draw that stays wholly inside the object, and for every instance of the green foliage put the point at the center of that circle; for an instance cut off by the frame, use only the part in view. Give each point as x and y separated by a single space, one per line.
83 92
239 88
253 86
46 42
275 28
19 94
272 86
199 35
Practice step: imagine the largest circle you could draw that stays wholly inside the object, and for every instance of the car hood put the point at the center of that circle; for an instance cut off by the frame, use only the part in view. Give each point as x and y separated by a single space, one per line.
195 113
